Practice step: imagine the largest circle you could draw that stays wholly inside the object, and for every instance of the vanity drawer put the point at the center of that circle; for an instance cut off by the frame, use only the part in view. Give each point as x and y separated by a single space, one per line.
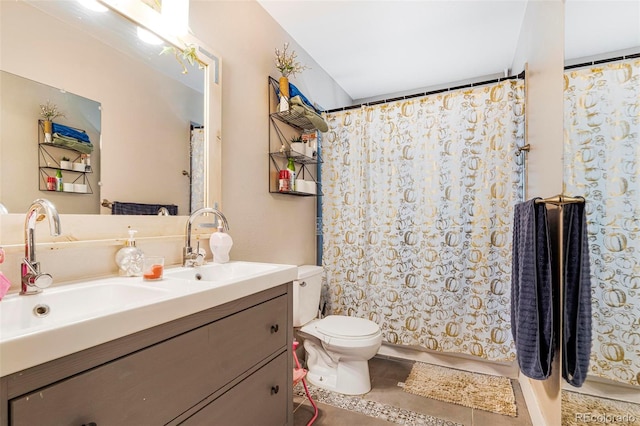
261 399
154 385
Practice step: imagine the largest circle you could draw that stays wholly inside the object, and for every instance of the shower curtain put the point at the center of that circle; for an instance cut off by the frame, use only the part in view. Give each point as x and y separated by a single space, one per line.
417 217
602 163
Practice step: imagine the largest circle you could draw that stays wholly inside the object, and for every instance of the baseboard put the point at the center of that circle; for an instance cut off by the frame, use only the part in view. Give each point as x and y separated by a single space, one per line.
451 360
597 386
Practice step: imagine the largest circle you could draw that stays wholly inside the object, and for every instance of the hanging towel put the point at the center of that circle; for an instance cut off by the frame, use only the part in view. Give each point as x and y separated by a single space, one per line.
576 337
118 207
531 290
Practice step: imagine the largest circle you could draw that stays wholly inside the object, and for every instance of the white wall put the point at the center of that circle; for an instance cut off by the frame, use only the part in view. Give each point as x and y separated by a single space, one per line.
541 47
265 227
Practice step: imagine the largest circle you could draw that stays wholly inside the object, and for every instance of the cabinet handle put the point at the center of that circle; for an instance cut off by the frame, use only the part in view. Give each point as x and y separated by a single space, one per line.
274 328
275 389
89 424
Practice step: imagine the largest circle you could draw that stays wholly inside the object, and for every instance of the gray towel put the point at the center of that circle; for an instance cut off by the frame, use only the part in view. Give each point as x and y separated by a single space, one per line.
141 209
531 290
576 337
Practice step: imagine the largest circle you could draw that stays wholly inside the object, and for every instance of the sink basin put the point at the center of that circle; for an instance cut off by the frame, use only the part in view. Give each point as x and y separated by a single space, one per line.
221 272
59 305
67 319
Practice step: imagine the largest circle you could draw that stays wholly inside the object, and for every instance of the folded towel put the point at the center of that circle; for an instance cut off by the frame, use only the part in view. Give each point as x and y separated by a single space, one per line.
73 143
298 106
141 209
63 130
576 337
531 291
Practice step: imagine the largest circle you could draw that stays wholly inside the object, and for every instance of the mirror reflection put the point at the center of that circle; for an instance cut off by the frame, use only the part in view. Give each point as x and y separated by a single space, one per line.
143 147
601 104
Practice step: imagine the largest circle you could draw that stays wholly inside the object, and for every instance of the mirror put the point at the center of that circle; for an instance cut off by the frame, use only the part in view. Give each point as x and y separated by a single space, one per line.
594 160
148 106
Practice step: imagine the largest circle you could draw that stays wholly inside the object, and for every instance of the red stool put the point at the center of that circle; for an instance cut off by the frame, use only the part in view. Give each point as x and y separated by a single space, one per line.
299 375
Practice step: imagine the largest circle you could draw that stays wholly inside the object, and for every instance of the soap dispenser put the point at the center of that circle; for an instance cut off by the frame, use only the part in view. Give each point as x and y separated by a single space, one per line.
130 258
220 243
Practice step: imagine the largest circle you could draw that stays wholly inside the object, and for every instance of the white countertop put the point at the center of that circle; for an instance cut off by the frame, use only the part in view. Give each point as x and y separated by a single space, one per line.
22 346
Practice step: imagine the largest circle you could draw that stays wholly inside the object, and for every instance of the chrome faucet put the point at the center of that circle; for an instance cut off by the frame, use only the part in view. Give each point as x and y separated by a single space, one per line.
32 280
189 256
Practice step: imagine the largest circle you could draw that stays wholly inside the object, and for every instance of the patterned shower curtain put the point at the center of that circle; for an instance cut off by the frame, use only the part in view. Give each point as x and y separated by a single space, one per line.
602 163
418 211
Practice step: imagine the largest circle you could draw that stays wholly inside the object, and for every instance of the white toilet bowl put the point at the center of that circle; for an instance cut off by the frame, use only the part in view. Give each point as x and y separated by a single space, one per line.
338 352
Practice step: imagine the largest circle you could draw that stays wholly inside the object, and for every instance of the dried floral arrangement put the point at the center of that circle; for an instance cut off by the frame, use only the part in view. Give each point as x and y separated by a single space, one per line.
50 111
286 62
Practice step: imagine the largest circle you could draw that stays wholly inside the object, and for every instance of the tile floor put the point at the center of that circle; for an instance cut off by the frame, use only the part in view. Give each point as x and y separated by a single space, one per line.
385 375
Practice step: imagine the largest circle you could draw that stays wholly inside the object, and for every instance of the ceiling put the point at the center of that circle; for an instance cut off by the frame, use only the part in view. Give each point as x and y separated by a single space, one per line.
376 48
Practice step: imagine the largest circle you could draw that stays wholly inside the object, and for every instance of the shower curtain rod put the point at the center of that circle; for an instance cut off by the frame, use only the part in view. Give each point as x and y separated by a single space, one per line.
603 61
560 200
432 92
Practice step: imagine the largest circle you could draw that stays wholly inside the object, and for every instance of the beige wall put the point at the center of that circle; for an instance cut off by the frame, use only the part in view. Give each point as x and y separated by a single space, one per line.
541 47
265 227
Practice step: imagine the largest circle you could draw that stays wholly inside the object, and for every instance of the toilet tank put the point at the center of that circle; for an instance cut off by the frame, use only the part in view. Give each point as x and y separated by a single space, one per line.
306 294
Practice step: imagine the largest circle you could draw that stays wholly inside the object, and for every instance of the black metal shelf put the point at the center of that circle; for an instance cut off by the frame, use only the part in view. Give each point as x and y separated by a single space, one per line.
298 123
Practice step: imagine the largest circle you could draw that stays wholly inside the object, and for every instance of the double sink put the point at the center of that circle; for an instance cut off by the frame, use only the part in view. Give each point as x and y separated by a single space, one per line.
62 320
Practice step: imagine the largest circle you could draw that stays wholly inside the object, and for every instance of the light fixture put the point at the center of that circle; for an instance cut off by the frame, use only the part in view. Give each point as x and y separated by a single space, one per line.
93 5
148 37
175 14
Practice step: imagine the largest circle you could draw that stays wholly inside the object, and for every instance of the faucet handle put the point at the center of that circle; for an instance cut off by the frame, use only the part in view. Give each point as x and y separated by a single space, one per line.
40 280
34 278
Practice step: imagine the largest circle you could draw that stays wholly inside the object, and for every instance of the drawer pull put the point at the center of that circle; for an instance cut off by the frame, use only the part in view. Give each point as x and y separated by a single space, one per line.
275 389
274 328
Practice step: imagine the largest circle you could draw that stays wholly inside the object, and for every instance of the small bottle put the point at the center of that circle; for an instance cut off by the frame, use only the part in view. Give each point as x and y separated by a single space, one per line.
59 180
292 174
87 163
283 182
220 244
130 258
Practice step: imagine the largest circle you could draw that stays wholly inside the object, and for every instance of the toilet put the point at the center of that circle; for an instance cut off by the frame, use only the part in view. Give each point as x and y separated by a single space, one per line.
338 348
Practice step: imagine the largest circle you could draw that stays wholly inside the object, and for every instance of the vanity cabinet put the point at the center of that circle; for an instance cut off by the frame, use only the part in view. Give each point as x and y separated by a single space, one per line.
231 364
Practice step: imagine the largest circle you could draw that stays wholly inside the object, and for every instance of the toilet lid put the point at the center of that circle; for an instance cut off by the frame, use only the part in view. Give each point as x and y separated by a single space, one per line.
344 326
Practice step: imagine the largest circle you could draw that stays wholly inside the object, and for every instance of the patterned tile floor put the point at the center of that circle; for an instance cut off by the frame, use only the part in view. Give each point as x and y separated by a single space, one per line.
388 404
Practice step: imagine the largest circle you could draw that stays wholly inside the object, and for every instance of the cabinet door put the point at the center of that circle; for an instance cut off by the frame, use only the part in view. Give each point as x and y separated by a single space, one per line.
155 385
261 399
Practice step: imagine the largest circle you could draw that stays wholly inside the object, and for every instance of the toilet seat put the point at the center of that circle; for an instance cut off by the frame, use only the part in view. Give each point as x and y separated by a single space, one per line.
345 327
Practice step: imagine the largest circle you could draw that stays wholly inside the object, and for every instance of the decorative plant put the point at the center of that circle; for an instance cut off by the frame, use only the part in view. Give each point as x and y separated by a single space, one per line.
66 159
189 54
286 62
50 111
296 139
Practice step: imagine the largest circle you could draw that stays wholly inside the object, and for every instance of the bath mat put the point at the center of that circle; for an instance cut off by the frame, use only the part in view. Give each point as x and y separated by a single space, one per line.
378 410
473 390
579 409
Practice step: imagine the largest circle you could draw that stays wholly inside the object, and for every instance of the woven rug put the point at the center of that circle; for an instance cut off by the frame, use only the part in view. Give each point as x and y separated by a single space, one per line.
579 409
473 390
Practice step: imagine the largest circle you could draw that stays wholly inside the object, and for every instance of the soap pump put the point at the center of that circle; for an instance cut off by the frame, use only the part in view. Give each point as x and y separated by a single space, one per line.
220 243
130 258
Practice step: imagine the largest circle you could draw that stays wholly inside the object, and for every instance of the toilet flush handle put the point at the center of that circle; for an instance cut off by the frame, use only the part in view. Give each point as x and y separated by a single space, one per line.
303 283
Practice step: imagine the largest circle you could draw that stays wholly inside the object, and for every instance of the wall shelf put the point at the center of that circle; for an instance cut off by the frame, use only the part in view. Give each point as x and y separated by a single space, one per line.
49 155
284 125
